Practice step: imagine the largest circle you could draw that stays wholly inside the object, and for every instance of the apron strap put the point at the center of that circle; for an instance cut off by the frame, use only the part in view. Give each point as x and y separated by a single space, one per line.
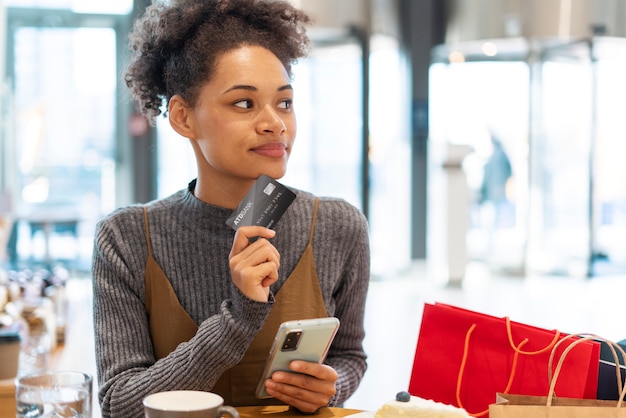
317 202
145 221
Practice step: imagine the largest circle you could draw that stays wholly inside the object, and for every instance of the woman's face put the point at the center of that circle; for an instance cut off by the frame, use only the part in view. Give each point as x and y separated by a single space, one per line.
243 124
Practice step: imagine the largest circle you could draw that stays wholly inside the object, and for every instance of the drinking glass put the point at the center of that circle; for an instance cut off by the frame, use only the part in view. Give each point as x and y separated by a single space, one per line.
53 394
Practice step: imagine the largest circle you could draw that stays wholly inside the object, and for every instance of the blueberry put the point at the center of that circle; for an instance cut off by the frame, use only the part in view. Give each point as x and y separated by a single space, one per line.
403 396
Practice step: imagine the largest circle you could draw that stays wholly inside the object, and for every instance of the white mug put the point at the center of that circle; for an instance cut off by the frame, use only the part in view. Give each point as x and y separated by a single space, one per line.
186 404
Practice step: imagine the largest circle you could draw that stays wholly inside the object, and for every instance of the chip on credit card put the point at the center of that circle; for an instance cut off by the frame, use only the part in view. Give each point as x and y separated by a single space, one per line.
263 205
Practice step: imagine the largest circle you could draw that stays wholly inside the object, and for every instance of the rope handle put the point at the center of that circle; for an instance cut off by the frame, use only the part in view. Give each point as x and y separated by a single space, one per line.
459 381
582 338
517 349
611 346
557 334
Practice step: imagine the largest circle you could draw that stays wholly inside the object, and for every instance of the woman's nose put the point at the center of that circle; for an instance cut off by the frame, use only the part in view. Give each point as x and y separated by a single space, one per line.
270 121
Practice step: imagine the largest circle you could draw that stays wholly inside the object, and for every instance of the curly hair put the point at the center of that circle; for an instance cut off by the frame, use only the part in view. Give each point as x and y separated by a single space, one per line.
174 46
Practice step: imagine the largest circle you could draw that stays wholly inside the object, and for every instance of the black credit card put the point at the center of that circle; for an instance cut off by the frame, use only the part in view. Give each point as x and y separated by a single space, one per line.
263 205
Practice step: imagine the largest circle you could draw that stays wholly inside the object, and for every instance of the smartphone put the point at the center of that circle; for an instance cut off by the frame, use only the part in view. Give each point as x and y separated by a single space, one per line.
306 339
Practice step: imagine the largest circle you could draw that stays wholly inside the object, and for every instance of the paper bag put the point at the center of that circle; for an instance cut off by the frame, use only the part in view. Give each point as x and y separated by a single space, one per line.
606 380
464 358
520 406
607 389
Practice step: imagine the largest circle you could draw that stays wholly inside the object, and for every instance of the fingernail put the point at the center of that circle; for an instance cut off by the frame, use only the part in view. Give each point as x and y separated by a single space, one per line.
295 365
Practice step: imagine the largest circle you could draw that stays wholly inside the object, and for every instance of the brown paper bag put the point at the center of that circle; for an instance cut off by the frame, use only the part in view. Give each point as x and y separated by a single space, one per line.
521 406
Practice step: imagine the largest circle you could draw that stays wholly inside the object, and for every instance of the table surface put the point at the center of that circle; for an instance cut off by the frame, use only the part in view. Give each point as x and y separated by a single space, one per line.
7 407
279 411
7 398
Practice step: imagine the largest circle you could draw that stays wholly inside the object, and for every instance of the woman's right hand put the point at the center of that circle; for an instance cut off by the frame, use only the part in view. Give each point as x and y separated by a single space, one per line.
254 265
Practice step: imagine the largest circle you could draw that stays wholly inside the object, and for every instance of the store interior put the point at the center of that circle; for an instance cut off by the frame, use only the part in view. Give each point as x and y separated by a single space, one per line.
483 140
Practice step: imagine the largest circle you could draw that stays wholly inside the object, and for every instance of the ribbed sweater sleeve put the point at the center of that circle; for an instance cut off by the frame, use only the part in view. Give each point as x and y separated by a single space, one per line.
191 243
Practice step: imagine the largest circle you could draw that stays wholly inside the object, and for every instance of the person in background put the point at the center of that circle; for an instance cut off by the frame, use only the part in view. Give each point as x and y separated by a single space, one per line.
497 173
181 301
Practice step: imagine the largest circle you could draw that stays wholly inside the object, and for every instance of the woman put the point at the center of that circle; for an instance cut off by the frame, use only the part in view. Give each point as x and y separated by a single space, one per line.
181 301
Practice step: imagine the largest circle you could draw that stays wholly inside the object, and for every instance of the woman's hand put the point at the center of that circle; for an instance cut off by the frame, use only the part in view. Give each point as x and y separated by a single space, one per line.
309 389
254 265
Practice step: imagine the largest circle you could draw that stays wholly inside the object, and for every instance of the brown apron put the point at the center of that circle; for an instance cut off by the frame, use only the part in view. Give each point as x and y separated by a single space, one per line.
300 297
170 324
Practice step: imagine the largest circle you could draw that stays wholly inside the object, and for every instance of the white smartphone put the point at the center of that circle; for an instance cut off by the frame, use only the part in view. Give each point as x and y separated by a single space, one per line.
306 339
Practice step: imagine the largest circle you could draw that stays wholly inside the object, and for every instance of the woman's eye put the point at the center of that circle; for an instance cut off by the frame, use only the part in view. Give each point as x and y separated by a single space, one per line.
244 104
285 104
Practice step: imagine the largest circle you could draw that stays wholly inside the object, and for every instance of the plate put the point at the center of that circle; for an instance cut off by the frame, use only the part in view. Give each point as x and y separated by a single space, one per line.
366 414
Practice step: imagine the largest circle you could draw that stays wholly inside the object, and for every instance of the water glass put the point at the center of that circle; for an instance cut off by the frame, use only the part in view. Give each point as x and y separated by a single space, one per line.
54 394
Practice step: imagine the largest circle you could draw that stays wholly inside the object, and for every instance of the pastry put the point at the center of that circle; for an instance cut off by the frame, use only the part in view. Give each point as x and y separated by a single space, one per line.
405 406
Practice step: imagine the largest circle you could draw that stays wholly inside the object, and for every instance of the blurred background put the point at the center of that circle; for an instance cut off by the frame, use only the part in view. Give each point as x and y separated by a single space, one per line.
465 130
484 140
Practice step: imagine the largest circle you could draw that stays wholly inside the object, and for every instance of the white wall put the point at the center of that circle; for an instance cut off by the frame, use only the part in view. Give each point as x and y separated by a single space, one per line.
378 15
488 19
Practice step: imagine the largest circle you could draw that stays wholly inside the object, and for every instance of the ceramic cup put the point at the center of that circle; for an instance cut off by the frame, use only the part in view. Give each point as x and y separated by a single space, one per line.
186 404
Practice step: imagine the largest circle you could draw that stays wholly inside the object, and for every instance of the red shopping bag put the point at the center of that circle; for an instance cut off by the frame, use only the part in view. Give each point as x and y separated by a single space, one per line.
464 358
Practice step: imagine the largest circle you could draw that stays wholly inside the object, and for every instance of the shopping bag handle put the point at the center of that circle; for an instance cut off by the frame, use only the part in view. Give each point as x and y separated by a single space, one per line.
459 381
582 337
612 345
557 334
517 350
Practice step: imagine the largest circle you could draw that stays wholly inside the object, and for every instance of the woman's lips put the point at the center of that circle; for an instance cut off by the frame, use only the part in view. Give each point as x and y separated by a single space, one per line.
274 150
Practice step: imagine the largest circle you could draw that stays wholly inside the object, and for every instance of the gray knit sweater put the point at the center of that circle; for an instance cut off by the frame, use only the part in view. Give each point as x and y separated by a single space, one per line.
191 243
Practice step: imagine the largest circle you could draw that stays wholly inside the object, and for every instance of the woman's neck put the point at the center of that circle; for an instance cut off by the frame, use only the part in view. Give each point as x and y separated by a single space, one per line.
221 193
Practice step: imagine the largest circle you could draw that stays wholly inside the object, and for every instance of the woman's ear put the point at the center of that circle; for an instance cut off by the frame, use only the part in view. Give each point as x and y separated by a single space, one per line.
179 116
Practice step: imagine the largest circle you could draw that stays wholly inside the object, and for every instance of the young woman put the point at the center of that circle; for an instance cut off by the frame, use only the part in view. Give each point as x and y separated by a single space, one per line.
181 301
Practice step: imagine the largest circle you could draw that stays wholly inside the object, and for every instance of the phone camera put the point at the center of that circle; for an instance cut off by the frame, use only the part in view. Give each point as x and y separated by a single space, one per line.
291 341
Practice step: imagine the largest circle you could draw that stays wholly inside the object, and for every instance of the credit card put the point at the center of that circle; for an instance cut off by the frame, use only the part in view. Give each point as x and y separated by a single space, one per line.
263 205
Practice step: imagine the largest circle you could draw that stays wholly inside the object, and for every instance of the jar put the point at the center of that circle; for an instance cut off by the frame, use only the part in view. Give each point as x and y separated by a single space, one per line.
38 343
9 354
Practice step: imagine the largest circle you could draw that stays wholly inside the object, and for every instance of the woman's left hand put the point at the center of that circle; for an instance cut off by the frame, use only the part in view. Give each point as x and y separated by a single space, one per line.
308 389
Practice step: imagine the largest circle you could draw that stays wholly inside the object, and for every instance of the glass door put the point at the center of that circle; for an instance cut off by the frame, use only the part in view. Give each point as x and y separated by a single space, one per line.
59 132
479 103
560 165
579 159
609 158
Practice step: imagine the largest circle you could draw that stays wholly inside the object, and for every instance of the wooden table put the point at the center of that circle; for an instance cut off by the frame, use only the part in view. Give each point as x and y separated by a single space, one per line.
284 412
7 407
7 398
